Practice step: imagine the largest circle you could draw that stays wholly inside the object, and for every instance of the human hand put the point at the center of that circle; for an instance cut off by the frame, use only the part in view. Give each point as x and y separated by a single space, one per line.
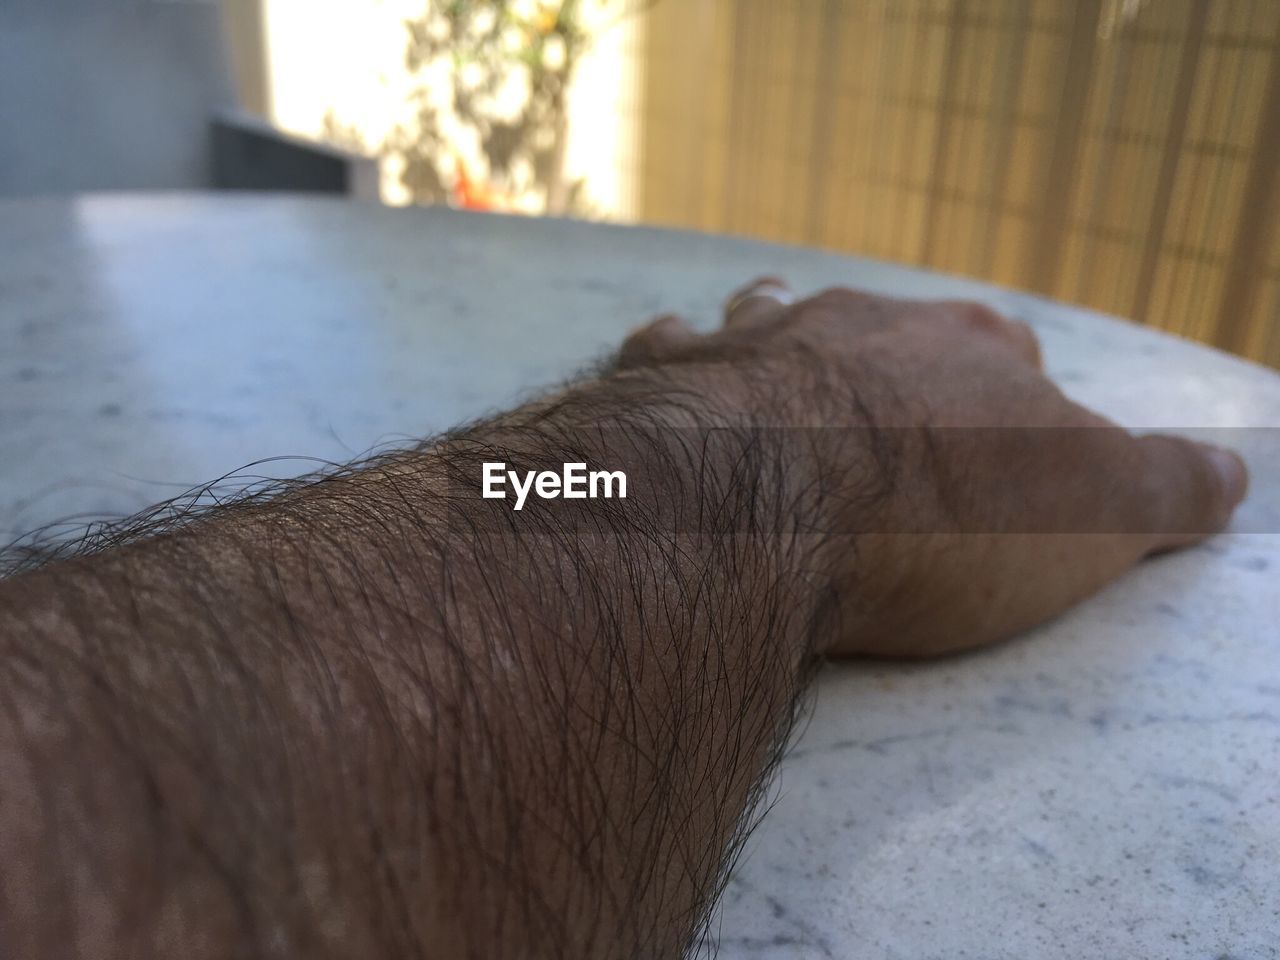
553 719
1001 502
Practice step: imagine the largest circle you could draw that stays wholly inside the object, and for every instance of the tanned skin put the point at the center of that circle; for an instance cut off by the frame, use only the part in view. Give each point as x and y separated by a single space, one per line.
375 715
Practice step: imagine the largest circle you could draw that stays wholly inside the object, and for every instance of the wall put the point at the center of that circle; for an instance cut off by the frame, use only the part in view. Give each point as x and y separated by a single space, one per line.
108 94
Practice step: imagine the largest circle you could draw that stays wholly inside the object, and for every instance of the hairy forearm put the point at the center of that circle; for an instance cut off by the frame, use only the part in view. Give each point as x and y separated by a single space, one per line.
378 715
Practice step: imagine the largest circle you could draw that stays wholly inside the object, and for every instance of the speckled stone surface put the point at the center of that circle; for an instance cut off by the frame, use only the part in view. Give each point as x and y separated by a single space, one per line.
1108 786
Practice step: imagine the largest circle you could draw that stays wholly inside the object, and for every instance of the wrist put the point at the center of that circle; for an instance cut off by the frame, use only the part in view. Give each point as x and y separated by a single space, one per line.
709 459
806 474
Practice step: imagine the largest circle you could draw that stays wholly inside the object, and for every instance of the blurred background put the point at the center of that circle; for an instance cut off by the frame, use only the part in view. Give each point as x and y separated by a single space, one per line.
1121 154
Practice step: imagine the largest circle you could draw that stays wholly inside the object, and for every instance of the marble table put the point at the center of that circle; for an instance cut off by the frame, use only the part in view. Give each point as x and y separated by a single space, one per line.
1108 786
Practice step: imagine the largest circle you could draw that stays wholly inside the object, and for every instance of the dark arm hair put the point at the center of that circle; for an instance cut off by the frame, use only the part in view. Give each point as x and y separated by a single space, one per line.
372 714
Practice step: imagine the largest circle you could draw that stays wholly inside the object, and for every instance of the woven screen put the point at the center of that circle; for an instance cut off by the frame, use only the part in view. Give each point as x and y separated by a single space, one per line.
1121 155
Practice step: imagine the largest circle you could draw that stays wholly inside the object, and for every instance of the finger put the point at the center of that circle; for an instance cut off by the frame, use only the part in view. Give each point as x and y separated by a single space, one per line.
1025 343
656 341
1190 489
758 303
1014 334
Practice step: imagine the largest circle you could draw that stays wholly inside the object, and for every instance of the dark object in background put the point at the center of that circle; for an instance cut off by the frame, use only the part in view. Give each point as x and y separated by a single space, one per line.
250 154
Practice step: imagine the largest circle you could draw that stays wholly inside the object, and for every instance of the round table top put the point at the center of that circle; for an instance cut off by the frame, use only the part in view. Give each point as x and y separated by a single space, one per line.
1105 786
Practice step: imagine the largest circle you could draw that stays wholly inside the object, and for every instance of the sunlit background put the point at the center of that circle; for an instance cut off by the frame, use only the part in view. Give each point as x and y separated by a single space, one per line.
527 106
1122 154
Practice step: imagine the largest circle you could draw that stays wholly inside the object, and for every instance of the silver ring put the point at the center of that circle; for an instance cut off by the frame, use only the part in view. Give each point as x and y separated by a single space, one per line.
765 291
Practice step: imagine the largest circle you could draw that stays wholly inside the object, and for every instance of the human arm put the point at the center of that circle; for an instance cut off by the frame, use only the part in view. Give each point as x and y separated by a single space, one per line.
379 715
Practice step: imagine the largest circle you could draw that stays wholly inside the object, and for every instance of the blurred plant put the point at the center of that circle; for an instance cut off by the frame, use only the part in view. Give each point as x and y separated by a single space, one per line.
344 136
504 67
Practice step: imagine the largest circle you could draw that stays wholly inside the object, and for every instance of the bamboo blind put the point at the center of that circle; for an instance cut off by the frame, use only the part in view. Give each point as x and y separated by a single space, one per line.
1117 154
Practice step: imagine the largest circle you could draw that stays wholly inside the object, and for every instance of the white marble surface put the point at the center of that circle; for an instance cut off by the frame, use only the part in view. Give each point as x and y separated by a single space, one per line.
1107 787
